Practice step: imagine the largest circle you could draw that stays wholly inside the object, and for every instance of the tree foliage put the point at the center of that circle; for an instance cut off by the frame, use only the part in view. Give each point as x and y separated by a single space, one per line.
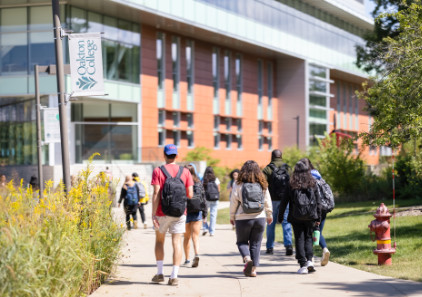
395 98
369 57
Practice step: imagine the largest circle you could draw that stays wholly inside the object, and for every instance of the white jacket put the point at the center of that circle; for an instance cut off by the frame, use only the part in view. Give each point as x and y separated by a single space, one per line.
236 210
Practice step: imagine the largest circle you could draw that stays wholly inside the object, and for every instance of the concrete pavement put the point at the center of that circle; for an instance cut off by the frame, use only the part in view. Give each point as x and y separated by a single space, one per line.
220 273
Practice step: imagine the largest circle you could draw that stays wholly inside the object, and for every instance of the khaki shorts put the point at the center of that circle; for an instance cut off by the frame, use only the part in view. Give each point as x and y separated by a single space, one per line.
175 225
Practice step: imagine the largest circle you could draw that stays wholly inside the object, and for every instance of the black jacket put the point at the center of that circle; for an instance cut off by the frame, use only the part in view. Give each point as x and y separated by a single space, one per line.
289 201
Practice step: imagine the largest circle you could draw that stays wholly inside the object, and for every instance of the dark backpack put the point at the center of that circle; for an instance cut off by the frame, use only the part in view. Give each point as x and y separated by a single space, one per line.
173 194
278 183
253 198
132 195
198 202
212 193
304 205
327 197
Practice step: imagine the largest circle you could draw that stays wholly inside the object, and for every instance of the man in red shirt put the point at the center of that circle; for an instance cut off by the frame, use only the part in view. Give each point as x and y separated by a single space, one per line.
163 223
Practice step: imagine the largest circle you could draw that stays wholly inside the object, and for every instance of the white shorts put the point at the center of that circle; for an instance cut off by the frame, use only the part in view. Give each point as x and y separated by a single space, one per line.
175 225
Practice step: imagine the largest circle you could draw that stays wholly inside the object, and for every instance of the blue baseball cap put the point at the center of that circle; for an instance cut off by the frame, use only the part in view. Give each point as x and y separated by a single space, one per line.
170 149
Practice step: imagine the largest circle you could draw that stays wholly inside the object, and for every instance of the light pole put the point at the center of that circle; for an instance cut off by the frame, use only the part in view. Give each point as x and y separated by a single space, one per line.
297 130
61 94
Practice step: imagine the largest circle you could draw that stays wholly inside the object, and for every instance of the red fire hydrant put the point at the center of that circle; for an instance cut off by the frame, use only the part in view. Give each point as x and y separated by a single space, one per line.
381 227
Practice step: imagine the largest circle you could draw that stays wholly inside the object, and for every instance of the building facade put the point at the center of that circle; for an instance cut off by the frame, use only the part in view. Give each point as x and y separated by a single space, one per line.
239 77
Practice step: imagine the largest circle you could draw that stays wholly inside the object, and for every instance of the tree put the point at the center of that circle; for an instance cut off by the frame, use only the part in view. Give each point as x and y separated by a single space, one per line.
369 56
395 98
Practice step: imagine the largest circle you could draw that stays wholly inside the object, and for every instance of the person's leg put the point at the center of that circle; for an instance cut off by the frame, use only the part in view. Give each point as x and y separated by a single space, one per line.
271 228
196 229
213 216
135 221
186 240
309 251
127 212
205 225
322 242
159 256
243 230
287 233
142 213
299 230
177 228
255 239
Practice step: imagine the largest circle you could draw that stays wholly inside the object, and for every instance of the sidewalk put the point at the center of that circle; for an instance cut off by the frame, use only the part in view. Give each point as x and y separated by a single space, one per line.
220 273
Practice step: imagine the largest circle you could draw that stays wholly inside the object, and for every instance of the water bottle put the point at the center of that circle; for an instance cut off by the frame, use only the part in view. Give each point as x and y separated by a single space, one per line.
315 236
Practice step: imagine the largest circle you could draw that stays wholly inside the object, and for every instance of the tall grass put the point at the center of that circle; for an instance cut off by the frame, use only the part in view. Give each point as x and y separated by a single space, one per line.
57 246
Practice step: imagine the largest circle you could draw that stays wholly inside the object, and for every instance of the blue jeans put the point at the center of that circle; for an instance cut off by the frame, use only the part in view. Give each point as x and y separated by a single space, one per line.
213 217
287 227
322 242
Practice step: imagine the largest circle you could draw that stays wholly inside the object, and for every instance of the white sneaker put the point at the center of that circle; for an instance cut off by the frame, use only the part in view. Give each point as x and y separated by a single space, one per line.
303 270
310 266
325 257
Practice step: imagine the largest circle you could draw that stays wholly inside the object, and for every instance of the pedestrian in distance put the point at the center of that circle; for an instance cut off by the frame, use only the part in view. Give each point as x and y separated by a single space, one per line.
130 197
233 178
144 199
277 176
304 213
212 193
196 213
327 205
250 209
173 185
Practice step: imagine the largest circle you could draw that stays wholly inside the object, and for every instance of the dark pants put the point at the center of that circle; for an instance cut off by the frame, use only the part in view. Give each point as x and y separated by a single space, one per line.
130 210
142 212
249 237
322 242
303 241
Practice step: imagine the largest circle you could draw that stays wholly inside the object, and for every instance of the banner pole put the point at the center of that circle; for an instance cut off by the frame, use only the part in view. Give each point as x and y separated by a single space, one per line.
61 95
39 144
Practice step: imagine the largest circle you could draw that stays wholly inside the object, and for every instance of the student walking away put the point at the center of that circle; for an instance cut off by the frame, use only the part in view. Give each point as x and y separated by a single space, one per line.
196 212
250 208
277 176
143 197
304 213
327 205
130 197
212 193
172 184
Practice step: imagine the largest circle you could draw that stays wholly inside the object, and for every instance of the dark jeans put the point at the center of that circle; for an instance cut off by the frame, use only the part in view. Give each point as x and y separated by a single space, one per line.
142 212
303 241
130 210
322 242
249 237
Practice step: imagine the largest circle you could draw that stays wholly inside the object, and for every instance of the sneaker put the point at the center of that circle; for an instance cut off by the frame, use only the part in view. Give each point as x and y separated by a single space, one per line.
158 278
310 266
186 262
270 251
204 233
195 262
325 257
211 235
289 250
145 226
303 270
248 268
173 282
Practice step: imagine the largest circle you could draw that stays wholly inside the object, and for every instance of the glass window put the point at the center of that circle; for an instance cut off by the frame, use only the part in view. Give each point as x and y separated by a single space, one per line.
176 119
189 66
110 59
228 141
14 19
317 129
176 138
175 57
111 30
270 84
124 57
78 20
216 123
238 70
228 124
227 80
318 86
124 33
317 100
190 120
123 112
160 60
270 143
318 113
239 141
317 71
239 125
216 140
270 127
216 79
161 137
161 117
190 138
260 142
40 18
260 126
14 50
94 22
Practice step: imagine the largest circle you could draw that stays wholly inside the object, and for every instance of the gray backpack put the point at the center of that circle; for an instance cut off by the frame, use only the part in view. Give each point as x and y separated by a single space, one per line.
253 198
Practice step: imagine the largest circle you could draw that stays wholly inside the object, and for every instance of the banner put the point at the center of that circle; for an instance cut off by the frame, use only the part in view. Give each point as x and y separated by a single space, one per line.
86 64
51 125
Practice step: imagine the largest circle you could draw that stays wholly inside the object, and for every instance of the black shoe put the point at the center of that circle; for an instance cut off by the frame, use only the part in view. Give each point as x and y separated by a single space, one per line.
289 250
270 251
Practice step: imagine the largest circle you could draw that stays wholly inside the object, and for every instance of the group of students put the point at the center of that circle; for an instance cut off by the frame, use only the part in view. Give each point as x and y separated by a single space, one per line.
258 198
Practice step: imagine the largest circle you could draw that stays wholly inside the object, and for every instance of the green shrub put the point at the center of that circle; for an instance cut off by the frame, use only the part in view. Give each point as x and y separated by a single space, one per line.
59 245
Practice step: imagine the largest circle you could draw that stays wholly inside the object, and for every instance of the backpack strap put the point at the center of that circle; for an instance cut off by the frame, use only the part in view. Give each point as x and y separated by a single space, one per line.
164 170
179 174
272 166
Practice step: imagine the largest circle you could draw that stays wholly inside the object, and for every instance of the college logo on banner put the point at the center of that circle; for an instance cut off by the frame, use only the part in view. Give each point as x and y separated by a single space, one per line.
86 64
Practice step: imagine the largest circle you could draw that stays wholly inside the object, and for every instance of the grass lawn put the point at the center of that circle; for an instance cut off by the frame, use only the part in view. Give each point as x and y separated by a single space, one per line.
347 234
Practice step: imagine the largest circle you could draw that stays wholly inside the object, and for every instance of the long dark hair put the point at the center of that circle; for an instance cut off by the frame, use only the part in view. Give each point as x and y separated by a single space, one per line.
302 177
193 173
232 176
209 176
251 173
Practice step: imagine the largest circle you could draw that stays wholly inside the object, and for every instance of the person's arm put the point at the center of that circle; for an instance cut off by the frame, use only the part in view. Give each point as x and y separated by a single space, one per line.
283 205
234 204
155 202
189 193
268 207
122 195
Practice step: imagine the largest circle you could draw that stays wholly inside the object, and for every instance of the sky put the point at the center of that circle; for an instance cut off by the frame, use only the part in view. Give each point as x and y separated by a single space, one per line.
369 7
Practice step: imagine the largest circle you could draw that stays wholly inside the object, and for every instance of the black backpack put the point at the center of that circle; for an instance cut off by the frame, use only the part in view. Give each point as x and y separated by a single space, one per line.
212 193
253 199
304 205
132 195
278 183
198 202
173 194
327 197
